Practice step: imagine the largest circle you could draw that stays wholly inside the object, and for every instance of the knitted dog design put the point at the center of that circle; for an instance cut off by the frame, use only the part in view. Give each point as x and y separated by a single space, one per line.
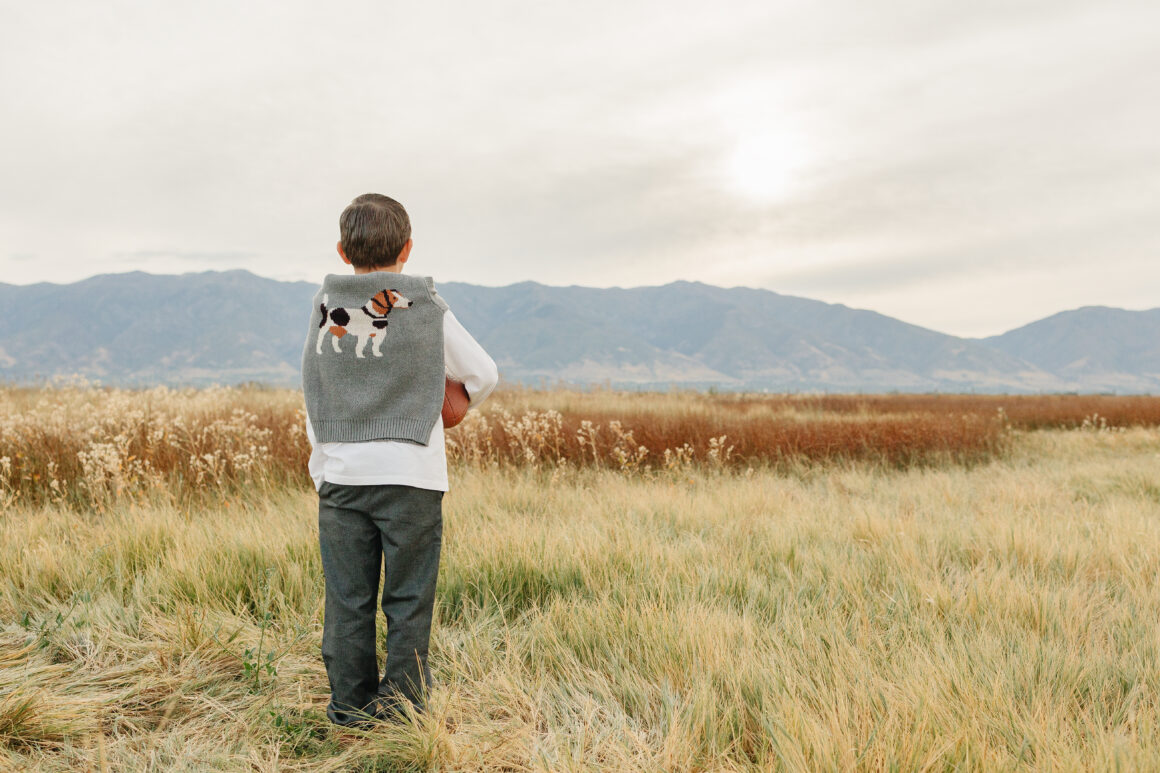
366 324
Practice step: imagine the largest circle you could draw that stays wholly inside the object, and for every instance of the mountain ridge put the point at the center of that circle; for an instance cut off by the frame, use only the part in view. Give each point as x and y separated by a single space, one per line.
233 325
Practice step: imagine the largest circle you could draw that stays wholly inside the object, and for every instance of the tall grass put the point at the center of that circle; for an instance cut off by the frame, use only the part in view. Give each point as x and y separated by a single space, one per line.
663 431
848 616
1048 411
86 447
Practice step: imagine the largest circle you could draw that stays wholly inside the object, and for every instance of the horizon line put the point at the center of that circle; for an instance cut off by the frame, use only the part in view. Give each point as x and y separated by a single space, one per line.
593 287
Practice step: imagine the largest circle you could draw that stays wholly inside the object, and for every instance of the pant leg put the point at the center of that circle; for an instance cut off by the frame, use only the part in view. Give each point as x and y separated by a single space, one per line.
412 537
349 542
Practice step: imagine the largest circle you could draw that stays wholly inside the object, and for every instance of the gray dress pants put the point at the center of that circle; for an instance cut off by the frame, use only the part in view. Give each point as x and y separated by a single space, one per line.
358 527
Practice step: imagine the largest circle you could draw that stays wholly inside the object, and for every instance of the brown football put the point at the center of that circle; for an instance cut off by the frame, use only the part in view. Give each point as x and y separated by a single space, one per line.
455 402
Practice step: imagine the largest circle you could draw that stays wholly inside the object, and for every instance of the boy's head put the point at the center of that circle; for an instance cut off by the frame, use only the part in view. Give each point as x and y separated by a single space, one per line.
375 232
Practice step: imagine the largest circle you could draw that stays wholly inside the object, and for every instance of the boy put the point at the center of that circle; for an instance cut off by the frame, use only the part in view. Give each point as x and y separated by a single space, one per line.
373 367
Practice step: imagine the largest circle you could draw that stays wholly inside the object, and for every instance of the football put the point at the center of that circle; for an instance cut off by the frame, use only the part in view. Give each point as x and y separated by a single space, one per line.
455 402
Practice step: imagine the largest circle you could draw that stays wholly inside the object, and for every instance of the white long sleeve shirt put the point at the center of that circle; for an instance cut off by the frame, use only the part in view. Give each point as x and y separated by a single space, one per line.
397 461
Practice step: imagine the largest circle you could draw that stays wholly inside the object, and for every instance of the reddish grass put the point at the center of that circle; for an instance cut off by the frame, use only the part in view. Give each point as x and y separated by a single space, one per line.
894 439
159 440
1062 411
1050 411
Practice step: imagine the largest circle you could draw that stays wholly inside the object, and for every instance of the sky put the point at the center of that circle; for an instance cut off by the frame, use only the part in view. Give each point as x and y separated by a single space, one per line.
965 166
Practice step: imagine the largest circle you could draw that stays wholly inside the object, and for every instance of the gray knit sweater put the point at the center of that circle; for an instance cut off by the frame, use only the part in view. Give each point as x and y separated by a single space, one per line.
372 365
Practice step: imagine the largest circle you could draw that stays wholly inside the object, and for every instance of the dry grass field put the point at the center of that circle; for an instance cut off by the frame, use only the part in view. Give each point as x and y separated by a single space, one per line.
773 583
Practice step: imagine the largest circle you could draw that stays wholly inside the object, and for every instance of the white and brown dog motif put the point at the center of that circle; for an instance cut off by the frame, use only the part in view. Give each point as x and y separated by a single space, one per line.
367 324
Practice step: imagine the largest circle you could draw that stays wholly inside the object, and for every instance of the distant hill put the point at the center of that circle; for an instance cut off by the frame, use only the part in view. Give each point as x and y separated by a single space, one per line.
139 328
1100 347
233 326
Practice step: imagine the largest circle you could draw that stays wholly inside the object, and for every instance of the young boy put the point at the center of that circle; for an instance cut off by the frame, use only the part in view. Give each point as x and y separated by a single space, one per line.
373 374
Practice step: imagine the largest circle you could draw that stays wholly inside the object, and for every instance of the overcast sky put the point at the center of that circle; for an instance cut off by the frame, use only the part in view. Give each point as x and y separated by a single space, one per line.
967 166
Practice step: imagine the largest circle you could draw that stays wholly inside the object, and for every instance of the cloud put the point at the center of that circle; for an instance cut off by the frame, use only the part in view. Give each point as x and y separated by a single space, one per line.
195 256
588 144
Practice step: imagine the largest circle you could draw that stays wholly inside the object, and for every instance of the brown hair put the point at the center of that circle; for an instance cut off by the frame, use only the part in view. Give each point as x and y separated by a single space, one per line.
374 229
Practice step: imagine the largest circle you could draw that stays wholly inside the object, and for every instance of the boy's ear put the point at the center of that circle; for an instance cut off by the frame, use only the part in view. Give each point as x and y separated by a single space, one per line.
345 259
405 252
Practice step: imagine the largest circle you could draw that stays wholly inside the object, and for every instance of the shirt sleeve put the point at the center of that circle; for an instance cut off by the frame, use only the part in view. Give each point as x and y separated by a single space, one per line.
317 463
466 361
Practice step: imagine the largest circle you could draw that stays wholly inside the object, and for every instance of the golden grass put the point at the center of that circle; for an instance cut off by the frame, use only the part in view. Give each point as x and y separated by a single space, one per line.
87 447
834 616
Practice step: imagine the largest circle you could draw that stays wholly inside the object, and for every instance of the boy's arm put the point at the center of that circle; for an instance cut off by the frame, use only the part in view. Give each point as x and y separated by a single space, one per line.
465 360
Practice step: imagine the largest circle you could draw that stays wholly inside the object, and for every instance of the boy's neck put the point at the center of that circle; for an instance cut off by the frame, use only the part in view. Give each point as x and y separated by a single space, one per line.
395 269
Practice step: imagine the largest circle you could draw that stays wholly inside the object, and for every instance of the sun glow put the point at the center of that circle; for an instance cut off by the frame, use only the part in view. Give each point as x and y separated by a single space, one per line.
766 166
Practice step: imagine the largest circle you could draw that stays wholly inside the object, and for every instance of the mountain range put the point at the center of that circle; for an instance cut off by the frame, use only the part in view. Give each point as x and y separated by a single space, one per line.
233 326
